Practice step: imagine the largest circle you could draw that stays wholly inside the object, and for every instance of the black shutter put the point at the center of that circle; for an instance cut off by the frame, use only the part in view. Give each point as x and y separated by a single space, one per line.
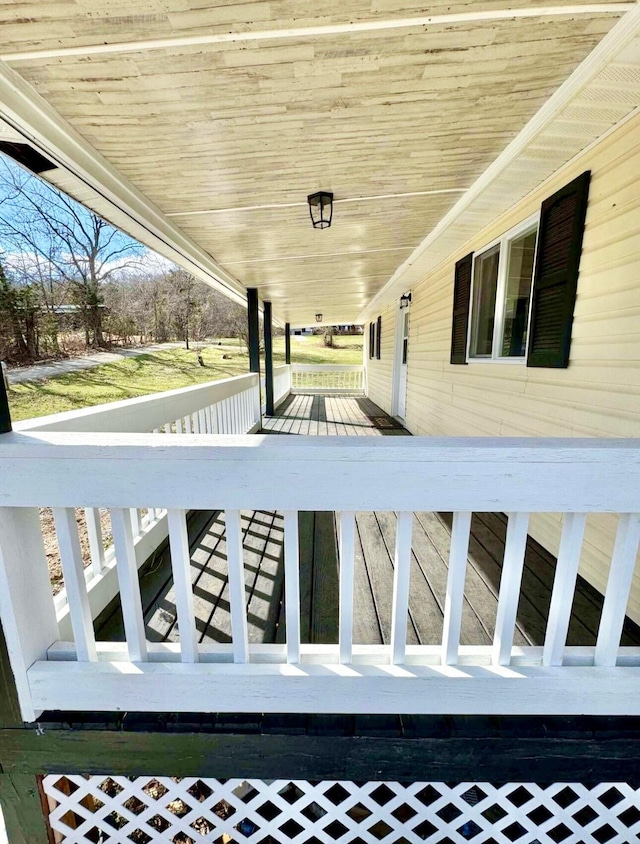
372 339
556 274
378 336
461 299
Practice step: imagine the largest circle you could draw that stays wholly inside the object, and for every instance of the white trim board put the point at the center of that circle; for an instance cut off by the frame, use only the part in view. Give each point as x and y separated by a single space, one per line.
318 31
451 690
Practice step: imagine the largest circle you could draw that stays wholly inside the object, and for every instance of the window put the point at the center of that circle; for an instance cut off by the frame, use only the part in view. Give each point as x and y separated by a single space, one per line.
375 338
501 296
514 300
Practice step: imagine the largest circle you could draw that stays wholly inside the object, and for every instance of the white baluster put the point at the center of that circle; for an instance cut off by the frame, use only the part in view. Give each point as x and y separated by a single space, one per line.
454 597
75 583
510 580
401 578
96 546
292 585
564 587
616 597
129 585
134 515
237 597
347 531
181 567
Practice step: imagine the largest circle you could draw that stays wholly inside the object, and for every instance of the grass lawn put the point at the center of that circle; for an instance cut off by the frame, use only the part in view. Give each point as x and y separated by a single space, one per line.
166 370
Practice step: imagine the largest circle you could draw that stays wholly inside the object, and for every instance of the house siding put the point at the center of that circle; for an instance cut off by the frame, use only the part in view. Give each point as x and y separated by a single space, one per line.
380 372
598 395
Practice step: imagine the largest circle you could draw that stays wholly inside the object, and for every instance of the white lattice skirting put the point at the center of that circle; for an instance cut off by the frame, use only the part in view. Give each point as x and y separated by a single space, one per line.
188 810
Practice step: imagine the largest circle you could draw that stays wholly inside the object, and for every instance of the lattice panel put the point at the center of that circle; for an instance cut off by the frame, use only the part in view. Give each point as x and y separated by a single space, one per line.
122 810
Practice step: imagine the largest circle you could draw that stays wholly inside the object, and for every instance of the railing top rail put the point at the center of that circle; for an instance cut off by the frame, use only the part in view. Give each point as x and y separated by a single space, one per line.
408 473
326 367
144 412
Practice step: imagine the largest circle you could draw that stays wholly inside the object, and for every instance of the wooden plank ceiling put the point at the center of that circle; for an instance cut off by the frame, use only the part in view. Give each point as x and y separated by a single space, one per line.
227 138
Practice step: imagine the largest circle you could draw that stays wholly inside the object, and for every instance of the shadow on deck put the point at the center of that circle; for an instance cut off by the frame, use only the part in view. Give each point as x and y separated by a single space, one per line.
375 540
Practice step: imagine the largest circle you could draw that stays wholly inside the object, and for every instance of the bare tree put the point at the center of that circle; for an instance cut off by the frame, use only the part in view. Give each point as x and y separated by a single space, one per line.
70 245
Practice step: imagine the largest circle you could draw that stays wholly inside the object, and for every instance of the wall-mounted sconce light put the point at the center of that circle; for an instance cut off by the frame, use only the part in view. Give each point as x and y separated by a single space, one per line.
405 300
318 317
321 209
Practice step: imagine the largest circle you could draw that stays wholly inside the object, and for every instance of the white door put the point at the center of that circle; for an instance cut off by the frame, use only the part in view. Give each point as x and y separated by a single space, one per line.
403 352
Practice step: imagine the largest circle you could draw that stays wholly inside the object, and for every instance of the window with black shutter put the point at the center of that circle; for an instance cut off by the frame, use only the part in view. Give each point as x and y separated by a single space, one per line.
378 336
562 218
514 299
372 339
461 300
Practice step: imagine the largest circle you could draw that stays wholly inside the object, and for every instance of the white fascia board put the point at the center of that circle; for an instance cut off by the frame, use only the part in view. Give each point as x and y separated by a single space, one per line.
607 51
41 126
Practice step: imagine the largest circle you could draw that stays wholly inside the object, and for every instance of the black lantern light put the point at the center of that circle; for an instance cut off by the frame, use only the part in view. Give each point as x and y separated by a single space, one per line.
405 300
318 317
321 208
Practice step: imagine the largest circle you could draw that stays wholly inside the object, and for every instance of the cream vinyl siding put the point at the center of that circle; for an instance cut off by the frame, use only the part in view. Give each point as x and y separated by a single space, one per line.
380 372
597 396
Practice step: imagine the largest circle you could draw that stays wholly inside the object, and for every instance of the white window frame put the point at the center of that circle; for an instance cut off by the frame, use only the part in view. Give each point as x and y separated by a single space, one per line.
504 242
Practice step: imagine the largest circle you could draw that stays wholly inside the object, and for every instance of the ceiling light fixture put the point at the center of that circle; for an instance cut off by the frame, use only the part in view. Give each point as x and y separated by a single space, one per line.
321 209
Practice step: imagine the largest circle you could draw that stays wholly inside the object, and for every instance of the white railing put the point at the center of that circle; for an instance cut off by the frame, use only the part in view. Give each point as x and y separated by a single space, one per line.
308 378
229 406
281 385
63 471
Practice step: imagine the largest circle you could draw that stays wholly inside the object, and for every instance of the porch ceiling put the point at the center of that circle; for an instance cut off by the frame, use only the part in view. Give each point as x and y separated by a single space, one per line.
227 132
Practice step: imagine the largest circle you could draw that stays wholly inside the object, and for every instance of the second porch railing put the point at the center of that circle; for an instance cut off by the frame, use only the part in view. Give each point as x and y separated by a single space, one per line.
228 406
321 378
231 474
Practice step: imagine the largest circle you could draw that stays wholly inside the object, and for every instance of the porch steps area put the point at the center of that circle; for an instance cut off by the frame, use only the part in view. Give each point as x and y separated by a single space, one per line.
375 538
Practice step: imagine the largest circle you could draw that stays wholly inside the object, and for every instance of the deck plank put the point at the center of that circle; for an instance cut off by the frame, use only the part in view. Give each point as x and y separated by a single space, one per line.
424 613
324 607
367 629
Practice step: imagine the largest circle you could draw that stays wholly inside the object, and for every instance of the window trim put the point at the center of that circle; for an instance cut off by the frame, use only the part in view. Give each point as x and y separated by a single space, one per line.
504 242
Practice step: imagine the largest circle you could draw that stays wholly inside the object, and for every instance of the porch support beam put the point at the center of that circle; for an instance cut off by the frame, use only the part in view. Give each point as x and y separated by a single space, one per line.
287 342
268 358
428 749
254 330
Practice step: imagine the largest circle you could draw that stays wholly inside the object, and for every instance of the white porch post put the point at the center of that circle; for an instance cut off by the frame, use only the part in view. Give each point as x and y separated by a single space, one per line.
26 603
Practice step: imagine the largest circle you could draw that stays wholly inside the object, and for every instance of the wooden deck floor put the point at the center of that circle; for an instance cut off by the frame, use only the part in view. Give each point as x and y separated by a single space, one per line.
375 538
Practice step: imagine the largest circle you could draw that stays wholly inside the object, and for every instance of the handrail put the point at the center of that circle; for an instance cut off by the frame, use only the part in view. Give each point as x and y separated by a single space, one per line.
432 473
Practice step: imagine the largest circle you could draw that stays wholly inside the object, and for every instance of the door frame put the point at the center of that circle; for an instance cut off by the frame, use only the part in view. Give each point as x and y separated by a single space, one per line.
397 359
